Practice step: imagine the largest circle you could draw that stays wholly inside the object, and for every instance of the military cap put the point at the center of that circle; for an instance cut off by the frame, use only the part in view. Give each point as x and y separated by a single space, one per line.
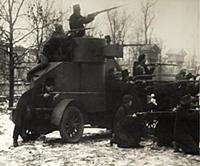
125 73
127 98
187 99
141 57
57 26
108 39
76 7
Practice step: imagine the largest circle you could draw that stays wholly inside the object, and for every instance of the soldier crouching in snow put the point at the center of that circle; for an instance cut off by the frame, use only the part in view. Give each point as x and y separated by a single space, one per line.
186 130
127 133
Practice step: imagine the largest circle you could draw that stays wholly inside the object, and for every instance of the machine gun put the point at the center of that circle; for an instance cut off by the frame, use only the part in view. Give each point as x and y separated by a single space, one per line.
105 10
131 45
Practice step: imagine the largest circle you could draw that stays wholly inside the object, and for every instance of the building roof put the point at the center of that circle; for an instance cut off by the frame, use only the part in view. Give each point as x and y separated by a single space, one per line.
173 52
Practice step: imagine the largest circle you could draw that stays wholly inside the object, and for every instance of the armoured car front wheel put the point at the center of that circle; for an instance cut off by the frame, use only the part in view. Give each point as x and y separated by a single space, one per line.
72 125
28 134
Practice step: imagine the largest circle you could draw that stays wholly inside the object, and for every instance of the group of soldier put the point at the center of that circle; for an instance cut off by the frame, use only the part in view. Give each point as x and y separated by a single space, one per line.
124 132
129 127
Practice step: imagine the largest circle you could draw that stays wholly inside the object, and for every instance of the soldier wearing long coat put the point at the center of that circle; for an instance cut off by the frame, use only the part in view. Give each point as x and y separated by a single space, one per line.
186 129
127 133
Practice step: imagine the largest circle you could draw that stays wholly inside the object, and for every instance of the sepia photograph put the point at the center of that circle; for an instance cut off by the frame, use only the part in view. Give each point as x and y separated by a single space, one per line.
99 82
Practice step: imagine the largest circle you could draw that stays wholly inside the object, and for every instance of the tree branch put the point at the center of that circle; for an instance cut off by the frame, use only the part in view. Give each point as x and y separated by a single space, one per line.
27 34
3 9
4 17
150 21
23 29
19 59
4 50
12 3
18 11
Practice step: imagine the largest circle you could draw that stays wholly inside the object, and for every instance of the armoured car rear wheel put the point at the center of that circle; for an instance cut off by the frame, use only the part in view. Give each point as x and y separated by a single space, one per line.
72 125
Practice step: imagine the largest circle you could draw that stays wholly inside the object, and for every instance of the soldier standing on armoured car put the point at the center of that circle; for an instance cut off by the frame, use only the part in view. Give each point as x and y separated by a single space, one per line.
77 21
186 129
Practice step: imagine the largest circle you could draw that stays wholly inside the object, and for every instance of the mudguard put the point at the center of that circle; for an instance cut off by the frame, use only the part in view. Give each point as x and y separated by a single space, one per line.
59 110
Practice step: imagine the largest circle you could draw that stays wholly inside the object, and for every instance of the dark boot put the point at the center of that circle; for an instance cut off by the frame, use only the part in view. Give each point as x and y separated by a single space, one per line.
15 143
113 140
16 133
189 148
176 147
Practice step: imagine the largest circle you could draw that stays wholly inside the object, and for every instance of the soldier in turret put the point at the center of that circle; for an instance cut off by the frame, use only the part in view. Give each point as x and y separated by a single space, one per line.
77 21
52 51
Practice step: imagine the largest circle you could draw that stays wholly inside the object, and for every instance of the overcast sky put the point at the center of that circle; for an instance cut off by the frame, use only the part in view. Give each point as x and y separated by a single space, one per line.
176 23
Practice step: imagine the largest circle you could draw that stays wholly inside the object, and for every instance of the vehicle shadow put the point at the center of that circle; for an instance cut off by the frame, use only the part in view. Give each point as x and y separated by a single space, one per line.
85 139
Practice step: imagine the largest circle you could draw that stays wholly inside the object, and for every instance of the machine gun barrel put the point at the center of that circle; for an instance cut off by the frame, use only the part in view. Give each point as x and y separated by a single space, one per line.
105 10
126 45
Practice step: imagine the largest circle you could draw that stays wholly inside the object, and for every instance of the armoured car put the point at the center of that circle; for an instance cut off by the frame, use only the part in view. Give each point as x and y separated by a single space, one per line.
82 85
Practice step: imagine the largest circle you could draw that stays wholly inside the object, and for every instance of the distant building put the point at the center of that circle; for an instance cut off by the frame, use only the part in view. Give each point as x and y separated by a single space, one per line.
26 61
176 57
29 60
152 53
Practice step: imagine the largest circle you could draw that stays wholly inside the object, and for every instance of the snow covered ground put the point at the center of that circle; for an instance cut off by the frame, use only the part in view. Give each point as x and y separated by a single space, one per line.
94 149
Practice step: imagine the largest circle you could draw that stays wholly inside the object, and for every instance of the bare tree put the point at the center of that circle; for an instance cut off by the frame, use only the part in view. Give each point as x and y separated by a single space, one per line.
10 14
118 25
94 31
148 17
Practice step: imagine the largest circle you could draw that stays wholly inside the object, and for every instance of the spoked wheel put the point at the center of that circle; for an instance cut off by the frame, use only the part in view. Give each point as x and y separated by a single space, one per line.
72 125
28 134
23 115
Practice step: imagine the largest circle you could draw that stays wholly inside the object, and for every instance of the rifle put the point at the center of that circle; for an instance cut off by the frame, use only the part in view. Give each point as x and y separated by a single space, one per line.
105 10
75 30
78 29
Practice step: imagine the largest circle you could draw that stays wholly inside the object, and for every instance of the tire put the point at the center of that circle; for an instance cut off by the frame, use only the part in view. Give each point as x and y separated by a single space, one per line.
22 117
28 135
72 125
